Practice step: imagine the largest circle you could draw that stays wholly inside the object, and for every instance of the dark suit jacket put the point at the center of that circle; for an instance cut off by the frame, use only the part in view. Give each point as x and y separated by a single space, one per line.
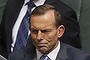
66 52
11 13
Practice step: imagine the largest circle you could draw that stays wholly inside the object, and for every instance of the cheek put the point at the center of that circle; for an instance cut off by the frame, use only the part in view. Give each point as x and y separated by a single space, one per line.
52 36
33 36
52 40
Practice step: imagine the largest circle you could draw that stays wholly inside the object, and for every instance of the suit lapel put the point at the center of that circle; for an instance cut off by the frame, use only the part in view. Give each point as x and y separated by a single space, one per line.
17 7
11 14
62 55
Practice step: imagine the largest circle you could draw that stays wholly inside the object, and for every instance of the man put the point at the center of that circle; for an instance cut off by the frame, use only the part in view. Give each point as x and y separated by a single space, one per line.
14 13
46 28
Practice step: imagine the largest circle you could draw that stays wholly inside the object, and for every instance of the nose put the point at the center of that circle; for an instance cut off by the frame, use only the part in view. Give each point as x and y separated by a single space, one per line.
39 35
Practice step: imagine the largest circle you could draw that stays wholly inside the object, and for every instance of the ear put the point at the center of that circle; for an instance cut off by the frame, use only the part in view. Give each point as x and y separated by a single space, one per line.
61 30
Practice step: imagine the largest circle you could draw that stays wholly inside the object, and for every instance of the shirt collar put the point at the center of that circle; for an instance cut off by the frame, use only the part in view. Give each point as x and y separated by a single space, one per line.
26 1
52 55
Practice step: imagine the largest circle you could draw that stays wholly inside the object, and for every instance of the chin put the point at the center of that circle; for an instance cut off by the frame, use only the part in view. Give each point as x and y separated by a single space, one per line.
43 50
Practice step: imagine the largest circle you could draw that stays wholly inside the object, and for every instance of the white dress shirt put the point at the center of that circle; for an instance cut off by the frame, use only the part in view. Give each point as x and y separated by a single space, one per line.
52 55
20 18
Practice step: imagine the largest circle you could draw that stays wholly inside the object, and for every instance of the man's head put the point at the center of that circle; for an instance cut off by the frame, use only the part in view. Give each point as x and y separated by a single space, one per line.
46 28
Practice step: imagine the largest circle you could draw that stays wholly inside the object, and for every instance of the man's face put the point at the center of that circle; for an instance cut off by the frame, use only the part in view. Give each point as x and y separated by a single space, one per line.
44 33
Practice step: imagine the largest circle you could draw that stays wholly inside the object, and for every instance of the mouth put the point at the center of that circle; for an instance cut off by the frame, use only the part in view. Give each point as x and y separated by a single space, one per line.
41 44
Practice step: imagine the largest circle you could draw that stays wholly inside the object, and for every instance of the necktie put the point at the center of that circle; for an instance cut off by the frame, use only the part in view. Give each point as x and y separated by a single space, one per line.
22 35
44 57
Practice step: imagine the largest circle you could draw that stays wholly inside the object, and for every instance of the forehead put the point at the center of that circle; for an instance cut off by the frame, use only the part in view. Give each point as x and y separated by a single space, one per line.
43 21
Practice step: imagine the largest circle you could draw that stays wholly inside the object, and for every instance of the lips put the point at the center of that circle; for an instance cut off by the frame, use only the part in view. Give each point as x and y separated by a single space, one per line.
41 44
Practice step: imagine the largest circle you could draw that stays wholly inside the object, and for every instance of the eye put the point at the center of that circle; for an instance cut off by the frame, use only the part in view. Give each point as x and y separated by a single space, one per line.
45 31
34 31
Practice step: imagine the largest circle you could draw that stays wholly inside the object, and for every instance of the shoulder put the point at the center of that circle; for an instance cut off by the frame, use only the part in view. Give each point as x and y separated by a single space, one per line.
74 53
26 53
16 55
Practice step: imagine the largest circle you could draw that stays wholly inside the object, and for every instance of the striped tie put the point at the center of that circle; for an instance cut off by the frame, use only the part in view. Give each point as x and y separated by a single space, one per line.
44 57
22 35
